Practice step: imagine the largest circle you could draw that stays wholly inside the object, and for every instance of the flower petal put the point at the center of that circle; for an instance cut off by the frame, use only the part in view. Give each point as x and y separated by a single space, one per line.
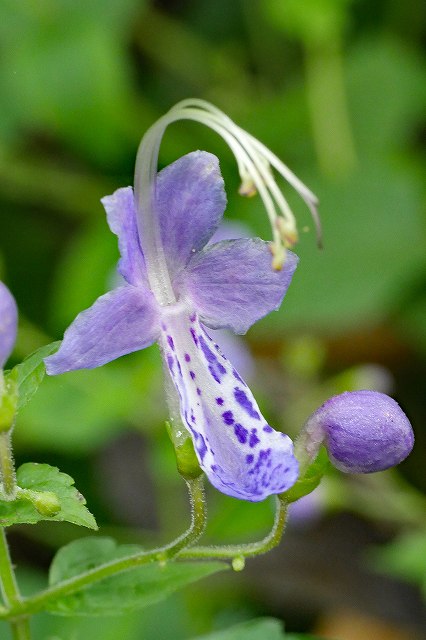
232 284
190 200
239 452
121 216
8 323
122 321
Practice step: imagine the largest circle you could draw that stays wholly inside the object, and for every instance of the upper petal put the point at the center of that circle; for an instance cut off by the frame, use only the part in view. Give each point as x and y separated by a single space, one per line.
119 322
232 284
8 323
190 201
240 453
121 215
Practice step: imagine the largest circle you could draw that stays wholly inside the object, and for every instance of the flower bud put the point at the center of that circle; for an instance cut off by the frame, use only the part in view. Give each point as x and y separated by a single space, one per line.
8 323
46 503
363 431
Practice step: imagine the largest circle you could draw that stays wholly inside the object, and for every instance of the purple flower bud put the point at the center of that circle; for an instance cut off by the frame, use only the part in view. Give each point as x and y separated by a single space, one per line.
8 323
363 431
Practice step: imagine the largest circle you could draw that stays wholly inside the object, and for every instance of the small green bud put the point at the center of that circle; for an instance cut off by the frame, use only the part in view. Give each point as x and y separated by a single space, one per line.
238 563
46 503
186 459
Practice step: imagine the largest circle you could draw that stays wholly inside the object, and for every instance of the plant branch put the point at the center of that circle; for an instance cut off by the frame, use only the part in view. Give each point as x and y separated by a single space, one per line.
40 601
230 552
10 591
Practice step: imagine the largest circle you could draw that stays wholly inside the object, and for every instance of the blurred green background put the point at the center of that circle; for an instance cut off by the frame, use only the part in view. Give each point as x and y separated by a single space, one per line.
337 88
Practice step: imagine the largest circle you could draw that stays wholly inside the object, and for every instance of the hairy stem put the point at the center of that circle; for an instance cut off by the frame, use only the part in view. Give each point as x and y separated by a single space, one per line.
229 552
12 598
7 466
40 601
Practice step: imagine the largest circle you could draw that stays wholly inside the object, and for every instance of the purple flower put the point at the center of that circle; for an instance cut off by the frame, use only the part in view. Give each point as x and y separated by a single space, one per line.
229 284
8 323
363 431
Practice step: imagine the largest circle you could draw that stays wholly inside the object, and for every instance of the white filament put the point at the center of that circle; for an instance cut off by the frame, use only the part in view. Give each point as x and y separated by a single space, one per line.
254 161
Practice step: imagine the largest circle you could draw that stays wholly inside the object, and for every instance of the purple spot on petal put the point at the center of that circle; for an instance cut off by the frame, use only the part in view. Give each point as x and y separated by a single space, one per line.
241 433
171 343
201 447
187 357
194 336
192 317
219 401
249 458
216 368
210 356
198 391
214 373
245 402
228 418
192 374
267 428
170 362
254 440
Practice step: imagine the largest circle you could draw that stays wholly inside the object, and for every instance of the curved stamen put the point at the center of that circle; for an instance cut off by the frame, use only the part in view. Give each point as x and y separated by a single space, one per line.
254 162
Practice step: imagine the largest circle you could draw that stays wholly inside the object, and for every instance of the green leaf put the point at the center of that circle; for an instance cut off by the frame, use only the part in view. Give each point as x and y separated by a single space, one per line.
124 592
35 479
258 629
30 373
311 479
405 558
252 630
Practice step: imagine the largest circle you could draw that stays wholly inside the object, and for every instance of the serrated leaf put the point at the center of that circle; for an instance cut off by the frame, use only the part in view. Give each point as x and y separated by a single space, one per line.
43 477
30 373
310 480
124 592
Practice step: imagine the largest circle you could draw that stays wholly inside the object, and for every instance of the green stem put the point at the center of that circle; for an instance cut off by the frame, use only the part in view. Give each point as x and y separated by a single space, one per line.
230 552
7 466
41 600
328 109
10 591
179 547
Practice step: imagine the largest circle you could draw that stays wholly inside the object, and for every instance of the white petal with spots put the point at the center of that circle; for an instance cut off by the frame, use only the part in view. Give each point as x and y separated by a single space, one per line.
240 453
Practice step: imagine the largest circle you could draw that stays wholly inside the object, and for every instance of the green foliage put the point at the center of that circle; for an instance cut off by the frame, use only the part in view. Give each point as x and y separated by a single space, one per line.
256 630
32 505
310 479
125 592
81 81
252 630
314 21
404 558
69 62
29 374
94 405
